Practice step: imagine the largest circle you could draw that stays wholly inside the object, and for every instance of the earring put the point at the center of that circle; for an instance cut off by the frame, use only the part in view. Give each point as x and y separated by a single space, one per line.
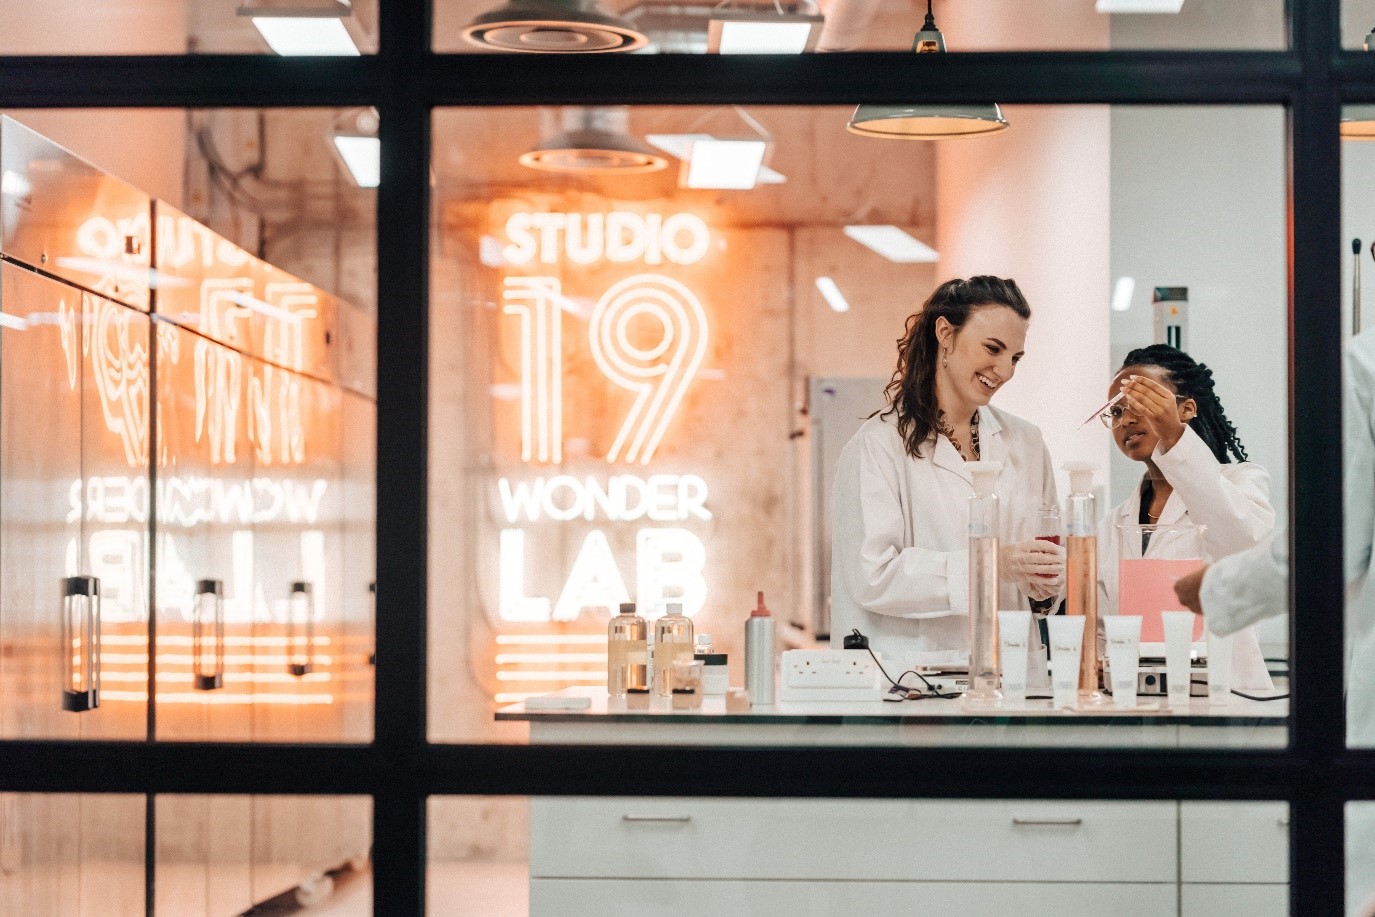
945 357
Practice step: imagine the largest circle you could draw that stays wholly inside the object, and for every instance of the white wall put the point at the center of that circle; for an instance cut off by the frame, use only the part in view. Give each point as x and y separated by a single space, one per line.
1032 204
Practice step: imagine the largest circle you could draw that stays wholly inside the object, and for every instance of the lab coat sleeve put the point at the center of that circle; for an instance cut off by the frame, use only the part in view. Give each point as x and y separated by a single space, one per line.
881 575
1358 507
1235 507
1245 588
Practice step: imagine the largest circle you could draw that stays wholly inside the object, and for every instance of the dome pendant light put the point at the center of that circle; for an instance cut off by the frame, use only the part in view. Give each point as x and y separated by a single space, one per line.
593 140
927 122
553 27
1358 121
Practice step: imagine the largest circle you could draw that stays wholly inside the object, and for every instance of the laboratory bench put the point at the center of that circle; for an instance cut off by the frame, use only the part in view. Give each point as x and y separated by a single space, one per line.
783 857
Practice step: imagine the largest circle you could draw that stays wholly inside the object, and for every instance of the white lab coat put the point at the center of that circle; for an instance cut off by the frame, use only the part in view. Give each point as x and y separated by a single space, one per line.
1248 587
900 542
1232 500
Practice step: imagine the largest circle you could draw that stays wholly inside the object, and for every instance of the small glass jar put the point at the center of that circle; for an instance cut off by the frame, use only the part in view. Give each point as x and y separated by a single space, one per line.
637 698
715 674
686 684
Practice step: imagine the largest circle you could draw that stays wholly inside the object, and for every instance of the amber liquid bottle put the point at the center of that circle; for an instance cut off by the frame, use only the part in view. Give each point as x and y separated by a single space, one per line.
627 652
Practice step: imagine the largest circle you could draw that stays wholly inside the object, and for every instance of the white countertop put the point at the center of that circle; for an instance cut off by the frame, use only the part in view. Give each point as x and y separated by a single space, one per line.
731 720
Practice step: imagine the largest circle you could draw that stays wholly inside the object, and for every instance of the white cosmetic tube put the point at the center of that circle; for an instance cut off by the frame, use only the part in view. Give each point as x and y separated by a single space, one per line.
1219 669
1066 644
1179 635
1124 657
1014 641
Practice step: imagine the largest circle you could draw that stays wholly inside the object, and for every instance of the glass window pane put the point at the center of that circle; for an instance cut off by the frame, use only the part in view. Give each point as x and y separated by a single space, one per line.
291 27
72 855
864 25
1358 228
263 854
644 390
558 855
253 308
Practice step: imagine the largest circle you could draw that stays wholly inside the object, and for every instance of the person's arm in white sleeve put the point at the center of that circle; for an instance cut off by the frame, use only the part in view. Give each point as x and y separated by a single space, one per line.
1358 505
1247 587
1235 508
881 574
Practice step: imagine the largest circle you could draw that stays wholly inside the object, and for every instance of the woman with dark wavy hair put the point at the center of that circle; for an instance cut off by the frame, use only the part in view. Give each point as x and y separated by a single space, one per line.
900 545
1171 420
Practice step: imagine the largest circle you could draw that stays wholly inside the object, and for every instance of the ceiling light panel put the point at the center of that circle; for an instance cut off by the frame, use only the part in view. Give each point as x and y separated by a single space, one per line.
300 36
363 157
725 164
893 244
831 293
734 32
1139 6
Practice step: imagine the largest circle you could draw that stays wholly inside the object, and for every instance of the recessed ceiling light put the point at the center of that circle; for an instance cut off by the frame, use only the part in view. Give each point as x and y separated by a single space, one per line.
893 244
1138 6
725 164
681 146
301 37
363 158
831 293
748 32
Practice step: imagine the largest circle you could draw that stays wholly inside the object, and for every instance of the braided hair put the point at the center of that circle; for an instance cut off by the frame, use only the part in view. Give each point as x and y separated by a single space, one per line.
912 392
1194 380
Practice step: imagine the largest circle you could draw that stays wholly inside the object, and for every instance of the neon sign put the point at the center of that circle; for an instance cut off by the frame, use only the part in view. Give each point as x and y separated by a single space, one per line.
648 334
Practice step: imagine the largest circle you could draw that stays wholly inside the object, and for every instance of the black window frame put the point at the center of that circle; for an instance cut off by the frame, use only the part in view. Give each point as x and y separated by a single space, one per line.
1316 774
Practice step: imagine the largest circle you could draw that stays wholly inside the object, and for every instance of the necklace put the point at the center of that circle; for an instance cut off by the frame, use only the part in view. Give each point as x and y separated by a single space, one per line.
944 427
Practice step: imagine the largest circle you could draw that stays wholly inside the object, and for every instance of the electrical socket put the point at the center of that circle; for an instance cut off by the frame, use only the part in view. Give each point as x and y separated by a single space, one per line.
830 675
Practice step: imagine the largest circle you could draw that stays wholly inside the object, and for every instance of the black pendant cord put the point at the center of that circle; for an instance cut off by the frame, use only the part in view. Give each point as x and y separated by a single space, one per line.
930 24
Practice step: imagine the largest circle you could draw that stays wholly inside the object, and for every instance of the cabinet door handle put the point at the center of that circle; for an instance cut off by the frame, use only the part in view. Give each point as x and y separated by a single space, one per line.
80 646
657 819
207 635
1047 822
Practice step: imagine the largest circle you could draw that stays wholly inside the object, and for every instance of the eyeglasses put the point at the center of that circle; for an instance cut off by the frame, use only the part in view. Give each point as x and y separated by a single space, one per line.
1112 415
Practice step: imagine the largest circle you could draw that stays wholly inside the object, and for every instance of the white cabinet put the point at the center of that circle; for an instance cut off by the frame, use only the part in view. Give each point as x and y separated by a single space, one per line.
671 855
722 898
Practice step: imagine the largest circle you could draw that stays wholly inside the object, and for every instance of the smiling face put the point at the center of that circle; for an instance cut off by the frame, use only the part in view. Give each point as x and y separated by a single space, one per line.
1129 431
980 356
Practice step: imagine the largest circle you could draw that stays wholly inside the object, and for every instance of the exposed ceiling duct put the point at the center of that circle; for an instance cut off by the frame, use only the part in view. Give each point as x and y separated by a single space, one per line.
553 27
594 140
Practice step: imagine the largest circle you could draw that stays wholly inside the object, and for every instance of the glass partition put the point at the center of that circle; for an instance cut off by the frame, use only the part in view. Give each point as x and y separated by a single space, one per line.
646 381
514 856
287 27
801 26
208 417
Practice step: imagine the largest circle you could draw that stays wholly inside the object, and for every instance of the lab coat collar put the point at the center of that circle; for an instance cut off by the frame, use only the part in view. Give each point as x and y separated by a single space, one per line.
1174 513
992 446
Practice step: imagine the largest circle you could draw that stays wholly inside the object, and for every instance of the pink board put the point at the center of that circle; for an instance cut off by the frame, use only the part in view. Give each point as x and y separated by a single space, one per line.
1145 587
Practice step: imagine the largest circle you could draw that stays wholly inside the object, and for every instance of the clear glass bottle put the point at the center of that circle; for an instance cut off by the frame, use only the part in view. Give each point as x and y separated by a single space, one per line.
627 652
673 640
1081 572
983 583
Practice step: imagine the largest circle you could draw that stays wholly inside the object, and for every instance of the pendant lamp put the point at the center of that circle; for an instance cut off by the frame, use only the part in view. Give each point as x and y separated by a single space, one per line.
927 122
593 140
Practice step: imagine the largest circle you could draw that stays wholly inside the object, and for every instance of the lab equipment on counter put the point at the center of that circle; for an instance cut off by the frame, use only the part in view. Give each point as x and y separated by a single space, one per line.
1066 646
627 651
1179 630
1124 658
830 675
1014 647
685 683
983 584
715 674
673 640
1150 559
1081 569
1219 668
702 645
759 655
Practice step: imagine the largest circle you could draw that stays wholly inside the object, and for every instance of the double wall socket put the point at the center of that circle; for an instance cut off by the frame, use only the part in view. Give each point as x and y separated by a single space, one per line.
829 675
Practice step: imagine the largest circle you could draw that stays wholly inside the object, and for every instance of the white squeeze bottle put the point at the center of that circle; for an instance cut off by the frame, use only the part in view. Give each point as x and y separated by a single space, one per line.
983 583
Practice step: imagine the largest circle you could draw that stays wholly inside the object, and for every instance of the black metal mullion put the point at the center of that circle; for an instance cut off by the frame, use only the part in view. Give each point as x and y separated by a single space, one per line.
403 269
1318 738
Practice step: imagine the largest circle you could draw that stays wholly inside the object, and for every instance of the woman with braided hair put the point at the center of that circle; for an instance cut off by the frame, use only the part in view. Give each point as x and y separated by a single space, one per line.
1170 420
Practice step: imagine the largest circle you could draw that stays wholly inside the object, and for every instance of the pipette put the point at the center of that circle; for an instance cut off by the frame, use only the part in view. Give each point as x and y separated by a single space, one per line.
1111 401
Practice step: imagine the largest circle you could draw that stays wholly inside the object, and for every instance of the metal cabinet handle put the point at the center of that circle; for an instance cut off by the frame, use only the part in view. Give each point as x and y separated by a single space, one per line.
1047 822
80 643
657 819
207 635
300 630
